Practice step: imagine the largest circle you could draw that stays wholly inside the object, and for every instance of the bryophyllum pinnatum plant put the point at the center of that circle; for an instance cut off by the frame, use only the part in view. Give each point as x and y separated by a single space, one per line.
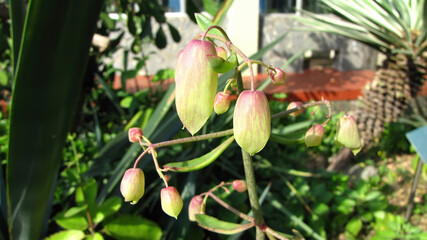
196 98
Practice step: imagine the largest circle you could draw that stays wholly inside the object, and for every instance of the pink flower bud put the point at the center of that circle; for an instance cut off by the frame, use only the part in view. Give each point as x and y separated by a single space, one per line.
171 201
196 206
278 77
295 105
133 185
240 185
252 122
222 103
314 135
196 85
135 134
221 52
348 133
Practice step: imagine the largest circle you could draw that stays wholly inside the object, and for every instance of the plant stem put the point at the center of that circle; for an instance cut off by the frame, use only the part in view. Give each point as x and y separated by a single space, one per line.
194 139
230 208
253 195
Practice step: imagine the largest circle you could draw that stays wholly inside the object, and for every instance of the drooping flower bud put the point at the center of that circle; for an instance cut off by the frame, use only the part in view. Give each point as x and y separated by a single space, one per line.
222 103
278 77
314 135
196 85
252 122
133 185
221 52
240 185
295 105
171 201
348 133
196 206
134 134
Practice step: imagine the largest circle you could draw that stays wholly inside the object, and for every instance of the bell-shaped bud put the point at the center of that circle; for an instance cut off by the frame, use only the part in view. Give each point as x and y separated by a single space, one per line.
196 206
314 135
222 103
196 85
278 77
133 185
295 105
252 122
240 185
348 133
221 52
171 201
135 134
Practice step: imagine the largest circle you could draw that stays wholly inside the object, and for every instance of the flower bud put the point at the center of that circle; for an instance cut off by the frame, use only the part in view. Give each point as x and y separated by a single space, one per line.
295 105
134 134
222 103
240 185
314 135
252 122
133 185
221 52
196 206
278 77
196 85
171 201
348 134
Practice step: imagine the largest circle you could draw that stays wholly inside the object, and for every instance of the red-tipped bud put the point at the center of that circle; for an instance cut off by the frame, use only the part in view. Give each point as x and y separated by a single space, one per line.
240 185
221 52
314 135
171 201
252 122
133 185
295 105
135 134
348 133
222 103
196 85
196 206
278 77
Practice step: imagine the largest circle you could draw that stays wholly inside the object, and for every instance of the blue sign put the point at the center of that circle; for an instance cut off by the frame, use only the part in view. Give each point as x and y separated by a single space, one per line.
418 139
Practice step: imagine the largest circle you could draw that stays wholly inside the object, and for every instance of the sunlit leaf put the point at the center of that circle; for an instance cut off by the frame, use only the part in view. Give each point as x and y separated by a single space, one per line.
107 208
201 162
215 225
67 235
219 65
204 23
133 228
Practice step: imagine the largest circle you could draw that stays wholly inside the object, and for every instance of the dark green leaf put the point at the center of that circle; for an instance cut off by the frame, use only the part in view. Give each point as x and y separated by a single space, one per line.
174 32
53 58
67 235
160 38
128 227
201 162
215 225
131 24
191 9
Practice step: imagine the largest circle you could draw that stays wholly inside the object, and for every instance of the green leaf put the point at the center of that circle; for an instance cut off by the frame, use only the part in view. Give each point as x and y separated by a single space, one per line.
107 208
53 57
353 228
204 23
75 222
164 74
74 210
67 235
131 24
86 195
3 78
219 65
215 225
174 32
160 38
211 6
283 140
201 162
95 236
128 227
126 102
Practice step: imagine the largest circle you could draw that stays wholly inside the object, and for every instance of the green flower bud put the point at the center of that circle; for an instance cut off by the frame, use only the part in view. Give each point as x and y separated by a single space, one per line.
196 85
314 135
252 122
278 77
196 206
221 52
134 134
348 134
222 103
171 201
240 185
295 105
133 185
